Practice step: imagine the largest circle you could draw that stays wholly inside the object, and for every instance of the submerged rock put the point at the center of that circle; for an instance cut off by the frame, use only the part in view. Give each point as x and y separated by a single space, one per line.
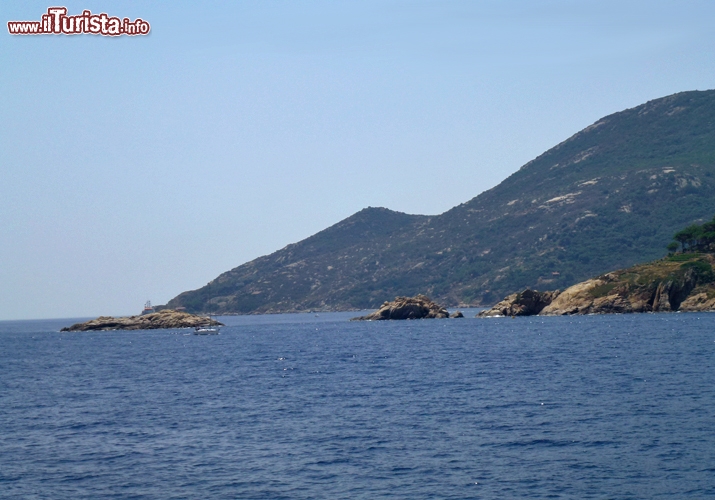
419 307
163 319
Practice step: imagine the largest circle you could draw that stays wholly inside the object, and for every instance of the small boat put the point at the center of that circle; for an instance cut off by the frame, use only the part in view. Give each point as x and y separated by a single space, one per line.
207 330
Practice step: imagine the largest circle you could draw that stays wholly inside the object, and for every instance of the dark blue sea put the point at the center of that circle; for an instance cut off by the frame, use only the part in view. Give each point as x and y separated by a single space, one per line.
303 407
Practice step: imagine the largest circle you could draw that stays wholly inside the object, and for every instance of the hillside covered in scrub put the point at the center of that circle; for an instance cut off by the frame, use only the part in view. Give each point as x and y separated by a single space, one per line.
606 198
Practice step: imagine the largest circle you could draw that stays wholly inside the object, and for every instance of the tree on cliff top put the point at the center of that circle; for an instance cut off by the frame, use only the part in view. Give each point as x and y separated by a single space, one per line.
696 238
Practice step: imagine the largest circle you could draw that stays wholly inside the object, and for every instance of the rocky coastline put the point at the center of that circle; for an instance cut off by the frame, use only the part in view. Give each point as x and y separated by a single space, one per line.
682 282
526 303
166 318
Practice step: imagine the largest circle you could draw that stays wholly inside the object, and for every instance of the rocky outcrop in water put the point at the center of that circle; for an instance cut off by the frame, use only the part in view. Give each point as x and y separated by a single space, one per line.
163 319
526 303
682 282
418 307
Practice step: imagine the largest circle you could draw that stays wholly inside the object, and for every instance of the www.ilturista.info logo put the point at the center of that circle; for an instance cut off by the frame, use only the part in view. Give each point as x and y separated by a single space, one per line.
57 22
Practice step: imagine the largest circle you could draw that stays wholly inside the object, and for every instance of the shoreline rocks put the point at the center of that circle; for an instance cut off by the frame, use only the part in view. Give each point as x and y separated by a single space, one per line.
166 318
684 282
526 303
418 307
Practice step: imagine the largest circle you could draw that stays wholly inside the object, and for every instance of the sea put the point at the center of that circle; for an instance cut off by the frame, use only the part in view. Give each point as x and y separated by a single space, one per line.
312 406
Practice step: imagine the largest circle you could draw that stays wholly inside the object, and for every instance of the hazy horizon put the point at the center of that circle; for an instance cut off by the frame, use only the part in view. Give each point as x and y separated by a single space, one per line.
136 168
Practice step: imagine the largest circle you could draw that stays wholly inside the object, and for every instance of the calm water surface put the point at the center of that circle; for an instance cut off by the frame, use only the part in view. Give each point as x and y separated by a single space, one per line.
298 406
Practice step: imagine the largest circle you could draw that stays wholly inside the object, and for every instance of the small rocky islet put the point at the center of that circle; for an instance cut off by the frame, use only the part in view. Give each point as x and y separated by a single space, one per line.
166 318
418 307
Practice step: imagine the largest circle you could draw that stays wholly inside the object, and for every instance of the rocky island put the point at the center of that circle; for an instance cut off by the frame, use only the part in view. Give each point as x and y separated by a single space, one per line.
166 318
418 307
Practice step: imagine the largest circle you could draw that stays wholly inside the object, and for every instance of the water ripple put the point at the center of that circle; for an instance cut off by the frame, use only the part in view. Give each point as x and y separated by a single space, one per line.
294 406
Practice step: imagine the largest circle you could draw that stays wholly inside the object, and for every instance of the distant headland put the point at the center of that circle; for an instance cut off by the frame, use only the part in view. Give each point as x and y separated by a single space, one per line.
607 198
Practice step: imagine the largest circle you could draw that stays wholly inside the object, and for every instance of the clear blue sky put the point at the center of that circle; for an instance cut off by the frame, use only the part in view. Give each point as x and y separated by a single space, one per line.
137 168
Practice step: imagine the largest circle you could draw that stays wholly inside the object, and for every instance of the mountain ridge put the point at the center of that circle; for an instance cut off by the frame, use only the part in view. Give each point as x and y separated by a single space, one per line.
607 197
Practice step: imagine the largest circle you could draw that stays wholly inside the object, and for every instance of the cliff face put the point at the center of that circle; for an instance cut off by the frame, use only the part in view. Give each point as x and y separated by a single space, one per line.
606 198
683 282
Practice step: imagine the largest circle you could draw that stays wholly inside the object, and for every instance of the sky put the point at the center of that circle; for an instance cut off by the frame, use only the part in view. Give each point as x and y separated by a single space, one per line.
135 168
